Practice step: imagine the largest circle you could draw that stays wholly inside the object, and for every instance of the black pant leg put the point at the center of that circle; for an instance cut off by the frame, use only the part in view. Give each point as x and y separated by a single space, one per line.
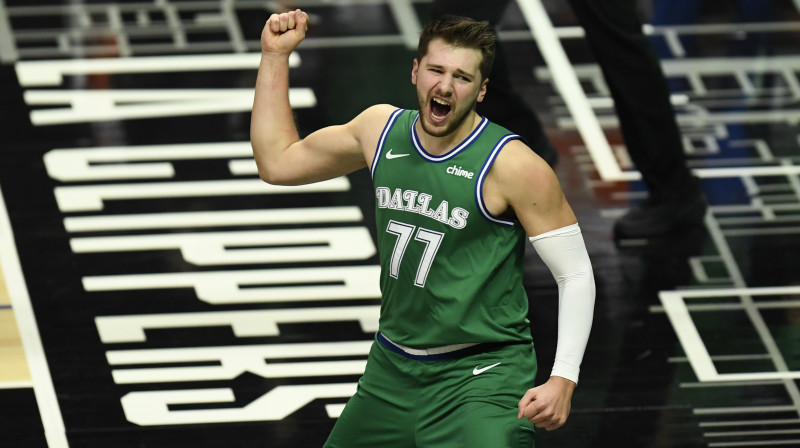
640 91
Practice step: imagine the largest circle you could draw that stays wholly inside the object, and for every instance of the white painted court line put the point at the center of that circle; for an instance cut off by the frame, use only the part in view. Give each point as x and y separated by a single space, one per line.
742 171
702 363
212 219
566 81
728 292
688 336
751 433
51 72
675 303
407 21
8 48
29 333
716 424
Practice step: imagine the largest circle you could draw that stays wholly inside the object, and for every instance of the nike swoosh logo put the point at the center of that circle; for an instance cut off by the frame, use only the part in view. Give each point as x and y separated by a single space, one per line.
477 371
389 155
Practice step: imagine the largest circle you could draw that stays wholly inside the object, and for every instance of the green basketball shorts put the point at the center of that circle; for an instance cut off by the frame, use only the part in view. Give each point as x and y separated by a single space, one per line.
405 401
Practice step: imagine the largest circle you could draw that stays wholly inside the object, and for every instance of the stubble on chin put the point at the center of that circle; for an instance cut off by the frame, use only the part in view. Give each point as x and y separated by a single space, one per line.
448 129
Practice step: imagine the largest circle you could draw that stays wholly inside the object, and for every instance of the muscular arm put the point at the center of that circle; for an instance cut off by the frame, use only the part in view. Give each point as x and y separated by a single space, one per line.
525 183
282 158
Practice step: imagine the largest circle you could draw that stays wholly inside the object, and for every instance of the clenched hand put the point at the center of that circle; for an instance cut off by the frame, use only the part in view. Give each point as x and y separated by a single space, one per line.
548 405
283 32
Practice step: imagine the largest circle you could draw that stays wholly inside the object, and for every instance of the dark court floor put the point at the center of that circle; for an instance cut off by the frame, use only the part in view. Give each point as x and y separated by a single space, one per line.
155 293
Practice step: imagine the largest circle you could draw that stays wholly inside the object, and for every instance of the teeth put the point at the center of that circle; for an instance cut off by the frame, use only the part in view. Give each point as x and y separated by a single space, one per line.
437 100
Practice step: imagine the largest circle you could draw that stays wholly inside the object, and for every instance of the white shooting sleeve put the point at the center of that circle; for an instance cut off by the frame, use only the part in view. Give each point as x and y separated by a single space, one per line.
564 252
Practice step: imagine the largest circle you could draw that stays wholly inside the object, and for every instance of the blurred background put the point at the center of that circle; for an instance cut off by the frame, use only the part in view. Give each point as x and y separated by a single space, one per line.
155 293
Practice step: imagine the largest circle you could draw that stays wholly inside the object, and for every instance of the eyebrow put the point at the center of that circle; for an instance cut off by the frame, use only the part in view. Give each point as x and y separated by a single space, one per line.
457 72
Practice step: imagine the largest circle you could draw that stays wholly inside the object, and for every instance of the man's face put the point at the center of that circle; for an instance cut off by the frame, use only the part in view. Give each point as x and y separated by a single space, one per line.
448 84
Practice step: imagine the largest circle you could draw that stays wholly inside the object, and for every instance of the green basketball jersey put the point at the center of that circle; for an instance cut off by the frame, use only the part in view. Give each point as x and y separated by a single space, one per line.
451 272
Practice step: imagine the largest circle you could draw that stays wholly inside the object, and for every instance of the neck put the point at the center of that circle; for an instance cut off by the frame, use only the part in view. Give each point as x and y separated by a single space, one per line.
441 145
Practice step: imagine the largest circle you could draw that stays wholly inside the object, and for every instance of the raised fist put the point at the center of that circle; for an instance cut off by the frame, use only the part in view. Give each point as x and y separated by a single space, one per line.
283 32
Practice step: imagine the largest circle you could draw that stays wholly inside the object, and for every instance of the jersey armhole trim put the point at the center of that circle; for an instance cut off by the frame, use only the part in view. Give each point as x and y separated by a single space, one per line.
482 177
382 140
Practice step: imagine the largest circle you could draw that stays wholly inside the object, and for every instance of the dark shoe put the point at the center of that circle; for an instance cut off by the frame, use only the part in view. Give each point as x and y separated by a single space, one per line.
653 218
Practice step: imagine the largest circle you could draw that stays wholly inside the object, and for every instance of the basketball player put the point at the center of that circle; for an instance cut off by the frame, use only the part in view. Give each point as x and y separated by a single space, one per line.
453 364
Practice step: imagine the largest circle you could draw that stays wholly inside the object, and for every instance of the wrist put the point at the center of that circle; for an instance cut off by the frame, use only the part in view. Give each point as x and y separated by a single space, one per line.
564 382
275 55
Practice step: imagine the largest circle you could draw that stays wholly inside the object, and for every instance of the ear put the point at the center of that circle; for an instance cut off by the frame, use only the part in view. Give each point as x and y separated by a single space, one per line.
414 69
482 92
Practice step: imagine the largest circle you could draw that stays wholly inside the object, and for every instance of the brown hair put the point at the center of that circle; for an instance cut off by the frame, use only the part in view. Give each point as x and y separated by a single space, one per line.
461 32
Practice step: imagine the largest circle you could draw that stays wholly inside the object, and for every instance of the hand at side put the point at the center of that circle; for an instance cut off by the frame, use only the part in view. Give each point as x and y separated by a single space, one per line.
547 406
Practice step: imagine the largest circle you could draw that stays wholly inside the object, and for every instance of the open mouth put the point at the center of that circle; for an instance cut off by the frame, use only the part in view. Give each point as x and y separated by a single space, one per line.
439 109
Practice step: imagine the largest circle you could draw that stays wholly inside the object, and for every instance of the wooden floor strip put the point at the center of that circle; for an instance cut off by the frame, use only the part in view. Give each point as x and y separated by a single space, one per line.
14 368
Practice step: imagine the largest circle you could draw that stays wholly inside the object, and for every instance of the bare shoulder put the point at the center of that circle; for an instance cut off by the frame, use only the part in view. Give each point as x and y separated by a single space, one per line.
527 184
372 117
517 166
367 127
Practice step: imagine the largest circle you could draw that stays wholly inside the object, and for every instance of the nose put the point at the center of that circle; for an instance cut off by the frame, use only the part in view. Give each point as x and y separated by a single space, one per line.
445 86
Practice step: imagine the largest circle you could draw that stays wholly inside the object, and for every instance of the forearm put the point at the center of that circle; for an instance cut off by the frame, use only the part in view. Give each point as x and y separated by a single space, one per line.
272 126
564 252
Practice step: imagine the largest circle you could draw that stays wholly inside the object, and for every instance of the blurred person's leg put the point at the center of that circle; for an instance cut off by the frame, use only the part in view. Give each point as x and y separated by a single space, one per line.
647 120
